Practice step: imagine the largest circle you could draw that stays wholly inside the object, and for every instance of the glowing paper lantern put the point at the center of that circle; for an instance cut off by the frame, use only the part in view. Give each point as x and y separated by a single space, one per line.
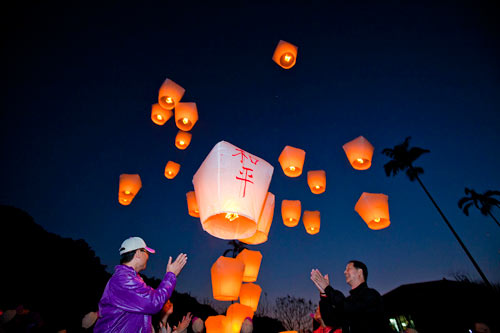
186 115
192 204
231 187
250 295
128 187
170 94
172 169
217 324
359 153
252 260
317 181
312 221
236 313
285 54
292 161
264 224
290 212
227 275
159 115
374 210
182 140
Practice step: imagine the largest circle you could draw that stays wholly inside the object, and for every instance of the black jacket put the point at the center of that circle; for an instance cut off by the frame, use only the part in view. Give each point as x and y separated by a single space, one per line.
361 312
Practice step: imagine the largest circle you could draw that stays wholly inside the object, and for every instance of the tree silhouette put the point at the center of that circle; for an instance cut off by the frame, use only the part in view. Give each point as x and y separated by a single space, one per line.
294 312
484 202
236 248
403 159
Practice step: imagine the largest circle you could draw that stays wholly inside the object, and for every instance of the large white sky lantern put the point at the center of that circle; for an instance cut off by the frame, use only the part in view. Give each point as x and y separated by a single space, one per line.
231 187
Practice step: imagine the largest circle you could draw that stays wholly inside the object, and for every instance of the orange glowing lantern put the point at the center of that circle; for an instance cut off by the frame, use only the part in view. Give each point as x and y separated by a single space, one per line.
290 212
264 224
192 204
236 314
317 181
217 324
312 221
292 161
250 295
186 115
227 275
285 54
128 187
172 169
252 260
231 187
183 139
159 115
170 94
359 153
374 210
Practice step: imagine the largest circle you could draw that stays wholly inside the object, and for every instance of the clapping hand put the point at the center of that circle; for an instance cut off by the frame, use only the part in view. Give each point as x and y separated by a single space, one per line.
184 323
320 281
176 266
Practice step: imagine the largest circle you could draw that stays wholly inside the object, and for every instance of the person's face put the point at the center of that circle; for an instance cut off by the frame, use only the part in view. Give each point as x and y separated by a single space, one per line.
481 328
352 274
143 257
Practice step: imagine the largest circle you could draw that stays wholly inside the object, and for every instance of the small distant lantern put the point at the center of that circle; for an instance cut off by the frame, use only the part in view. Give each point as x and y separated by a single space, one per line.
252 260
172 169
374 210
231 187
285 54
236 314
292 161
359 153
312 221
217 324
290 212
128 187
192 204
250 295
317 181
182 139
227 276
170 94
186 115
264 224
159 115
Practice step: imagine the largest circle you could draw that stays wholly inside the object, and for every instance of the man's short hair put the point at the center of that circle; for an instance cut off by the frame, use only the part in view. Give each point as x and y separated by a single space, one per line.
127 257
359 265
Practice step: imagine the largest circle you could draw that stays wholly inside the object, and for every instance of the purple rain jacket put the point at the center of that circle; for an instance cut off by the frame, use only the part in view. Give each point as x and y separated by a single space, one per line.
128 303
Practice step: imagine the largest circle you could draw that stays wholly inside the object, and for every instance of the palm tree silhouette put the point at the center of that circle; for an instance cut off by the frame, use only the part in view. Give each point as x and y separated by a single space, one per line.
403 158
484 202
236 248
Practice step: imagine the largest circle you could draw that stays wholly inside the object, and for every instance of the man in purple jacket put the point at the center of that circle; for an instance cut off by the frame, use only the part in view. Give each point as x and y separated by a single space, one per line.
127 303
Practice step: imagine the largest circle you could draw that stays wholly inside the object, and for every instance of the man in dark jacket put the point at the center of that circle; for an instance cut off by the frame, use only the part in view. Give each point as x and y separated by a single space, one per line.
361 312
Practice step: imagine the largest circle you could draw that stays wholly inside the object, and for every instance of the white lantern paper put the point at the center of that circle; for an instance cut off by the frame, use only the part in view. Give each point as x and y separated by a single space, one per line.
264 224
231 187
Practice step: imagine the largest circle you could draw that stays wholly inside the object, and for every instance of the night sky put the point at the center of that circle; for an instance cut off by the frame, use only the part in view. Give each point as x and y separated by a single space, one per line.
79 83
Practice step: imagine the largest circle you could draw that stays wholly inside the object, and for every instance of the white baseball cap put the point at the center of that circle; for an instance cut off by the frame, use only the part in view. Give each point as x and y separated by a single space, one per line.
134 243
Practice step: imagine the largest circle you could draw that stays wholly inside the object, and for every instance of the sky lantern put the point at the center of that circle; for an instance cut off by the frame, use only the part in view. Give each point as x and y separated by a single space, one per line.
312 221
374 210
236 313
186 115
290 212
227 276
172 169
250 295
170 94
192 204
264 224
231 187
182 139
217 324
292 161
159 115
252 260
359 153
317 181
285 54
128 187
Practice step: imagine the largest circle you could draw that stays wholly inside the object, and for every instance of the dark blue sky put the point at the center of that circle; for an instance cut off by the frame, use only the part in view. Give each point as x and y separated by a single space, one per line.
80 81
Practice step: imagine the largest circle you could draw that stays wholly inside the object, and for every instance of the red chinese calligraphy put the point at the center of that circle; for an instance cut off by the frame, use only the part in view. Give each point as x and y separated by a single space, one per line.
245 179
244 156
